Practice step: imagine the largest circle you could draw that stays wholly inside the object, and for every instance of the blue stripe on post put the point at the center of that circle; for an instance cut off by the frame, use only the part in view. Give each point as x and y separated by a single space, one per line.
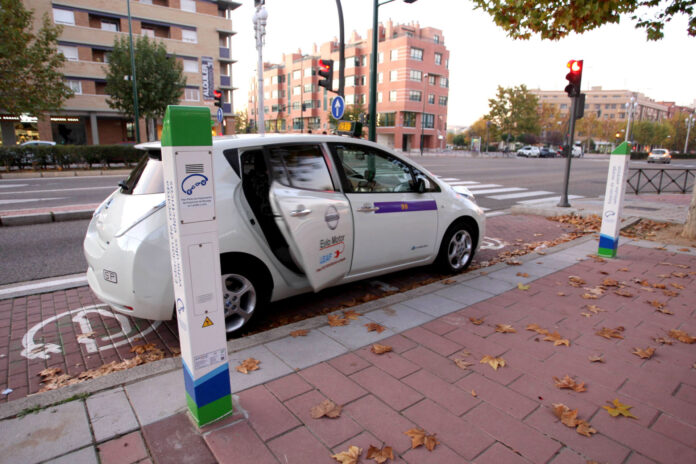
211 387
610 243
404 206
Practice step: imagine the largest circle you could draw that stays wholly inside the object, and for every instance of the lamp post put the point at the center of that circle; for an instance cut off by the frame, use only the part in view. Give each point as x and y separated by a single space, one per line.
630 107
133 79
260 17
425 96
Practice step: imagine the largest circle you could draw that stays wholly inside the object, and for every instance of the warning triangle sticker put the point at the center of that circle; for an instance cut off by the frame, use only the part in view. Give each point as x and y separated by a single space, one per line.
207 322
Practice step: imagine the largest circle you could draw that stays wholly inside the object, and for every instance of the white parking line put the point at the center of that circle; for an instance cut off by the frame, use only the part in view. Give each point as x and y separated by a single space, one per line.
497 190
520 195
463 182
549 199
447 179
27 200
49 285
12 186
496 213
110 187
481 186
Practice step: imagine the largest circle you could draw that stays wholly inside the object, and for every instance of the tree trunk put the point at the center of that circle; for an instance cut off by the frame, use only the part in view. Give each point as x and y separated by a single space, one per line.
690 226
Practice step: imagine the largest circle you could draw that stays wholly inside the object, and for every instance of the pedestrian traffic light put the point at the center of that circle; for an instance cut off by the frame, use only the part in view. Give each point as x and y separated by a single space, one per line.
618 135
574 77
218 97
326 71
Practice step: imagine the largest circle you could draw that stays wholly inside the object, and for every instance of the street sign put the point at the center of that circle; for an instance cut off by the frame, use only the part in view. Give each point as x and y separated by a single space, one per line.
219 115
338 107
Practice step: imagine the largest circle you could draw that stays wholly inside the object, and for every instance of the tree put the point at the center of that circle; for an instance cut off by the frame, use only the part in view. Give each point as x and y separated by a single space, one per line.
555 19
241 123
654 134
30 77
514 111
159 78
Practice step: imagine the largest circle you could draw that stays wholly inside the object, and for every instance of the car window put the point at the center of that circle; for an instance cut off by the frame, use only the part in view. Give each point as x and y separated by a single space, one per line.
147 177
372 171
658 152
300 166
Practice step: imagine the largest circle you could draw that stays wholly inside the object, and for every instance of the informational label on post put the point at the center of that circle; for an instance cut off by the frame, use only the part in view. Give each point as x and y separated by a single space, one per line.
613 201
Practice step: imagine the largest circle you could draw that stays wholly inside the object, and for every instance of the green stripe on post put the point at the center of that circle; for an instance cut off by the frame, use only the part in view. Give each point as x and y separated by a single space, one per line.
186 126
211 412
606 253
623 149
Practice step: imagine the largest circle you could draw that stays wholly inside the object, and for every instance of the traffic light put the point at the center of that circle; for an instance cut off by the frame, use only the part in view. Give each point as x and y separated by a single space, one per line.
326 71
218 98
574 77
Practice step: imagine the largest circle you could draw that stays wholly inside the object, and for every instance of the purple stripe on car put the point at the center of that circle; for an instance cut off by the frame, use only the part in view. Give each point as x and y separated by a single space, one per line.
404 206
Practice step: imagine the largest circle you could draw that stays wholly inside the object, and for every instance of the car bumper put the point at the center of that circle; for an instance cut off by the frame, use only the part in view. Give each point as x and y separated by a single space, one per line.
659 159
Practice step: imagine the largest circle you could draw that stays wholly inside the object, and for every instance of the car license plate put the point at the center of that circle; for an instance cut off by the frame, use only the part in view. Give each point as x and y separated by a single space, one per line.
110 276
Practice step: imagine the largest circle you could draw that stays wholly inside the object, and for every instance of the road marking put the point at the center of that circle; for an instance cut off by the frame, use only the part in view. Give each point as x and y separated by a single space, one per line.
27 200
520 195
463 182
481 186
496 213
32 287
498 190
548 199
12 186
110 187
490 243
447 179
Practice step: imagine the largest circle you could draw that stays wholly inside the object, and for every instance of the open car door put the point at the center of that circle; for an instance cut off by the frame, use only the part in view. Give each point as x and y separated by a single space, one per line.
314 218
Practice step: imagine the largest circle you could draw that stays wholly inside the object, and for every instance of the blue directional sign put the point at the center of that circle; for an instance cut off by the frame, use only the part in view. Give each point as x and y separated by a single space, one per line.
219 115
338 107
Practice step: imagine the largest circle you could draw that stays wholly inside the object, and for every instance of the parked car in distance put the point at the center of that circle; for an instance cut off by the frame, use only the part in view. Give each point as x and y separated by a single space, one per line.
547 152
659 155
29 157
578 152
529 151
297 213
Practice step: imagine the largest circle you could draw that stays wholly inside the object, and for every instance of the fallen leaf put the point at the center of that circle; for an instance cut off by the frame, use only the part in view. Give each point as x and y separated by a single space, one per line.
522 286
85 335
351 314
431 442
610 282
380 455
677 286
624 293
326 408
473 393
623 269
561 294
140 349
670 293
476 321
348 457
513 262
576 281
249 364
380 349
656 304
537 329
570 384
684 249
682 336
589 296
493 361
681 275
299 333
619 409
462 364
586 314
596 359
336 321
522 274
375 327
665 311
568 416
644 353
446 282
420 437
584 428
608 333
557 339
660 286
662 340
595 309
505 328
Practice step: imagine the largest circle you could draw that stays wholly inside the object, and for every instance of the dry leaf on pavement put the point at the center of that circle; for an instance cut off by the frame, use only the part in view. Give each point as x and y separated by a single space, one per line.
420 437
575 281
336 321
557 339
665 311
375 327
656 304
644 353
624 293
623 269
85 335
477 321
299 333
595 309
608 333
584 428
473 393
521 286
681 275
569 418
493 361
348 457
570 384
677 286
505 328
446 282
660 286
610 282
522 274
561 294
619 409
380 349
537 329
351 314
589 296
662 340
326 408
596 359
462 364
249 364
682 336
380 455
670 293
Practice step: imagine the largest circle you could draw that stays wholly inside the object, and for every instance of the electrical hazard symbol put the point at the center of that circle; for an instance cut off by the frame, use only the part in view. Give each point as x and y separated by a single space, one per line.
207 322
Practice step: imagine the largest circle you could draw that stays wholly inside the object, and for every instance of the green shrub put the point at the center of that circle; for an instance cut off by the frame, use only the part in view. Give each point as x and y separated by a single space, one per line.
66 156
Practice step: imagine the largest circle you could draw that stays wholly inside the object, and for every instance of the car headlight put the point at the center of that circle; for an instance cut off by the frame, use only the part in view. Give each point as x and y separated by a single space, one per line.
465 192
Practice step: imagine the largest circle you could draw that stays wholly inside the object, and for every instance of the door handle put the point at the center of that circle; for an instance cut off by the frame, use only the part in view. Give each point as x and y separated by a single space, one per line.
368 209
300 212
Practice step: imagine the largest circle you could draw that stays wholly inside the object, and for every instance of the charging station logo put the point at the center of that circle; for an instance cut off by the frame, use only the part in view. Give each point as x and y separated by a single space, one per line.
189 184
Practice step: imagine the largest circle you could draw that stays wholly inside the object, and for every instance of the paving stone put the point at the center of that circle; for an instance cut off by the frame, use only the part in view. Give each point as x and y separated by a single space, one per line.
464 295
382 421
676 429
440 327
399 343
336 386
111 414
433 304
364 440
660 399
491 285
175 440
300 352
123 450
568 456
499 396
355 334
440 455
464 437
349 363
398 317
392 363
396 394
238 444
444 368
637 458
452 398
268 416
432 341
497 454
83 456
51 432
169 400
686 393
288 387
271 367
330 431
475 343
300 446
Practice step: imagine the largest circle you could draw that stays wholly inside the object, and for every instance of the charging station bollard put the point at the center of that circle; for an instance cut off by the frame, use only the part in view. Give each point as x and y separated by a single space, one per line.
187 158
613 201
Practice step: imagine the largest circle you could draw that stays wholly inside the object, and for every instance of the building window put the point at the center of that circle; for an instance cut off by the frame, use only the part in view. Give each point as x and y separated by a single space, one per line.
564 106
379 97
63 17
190 65
442 101
409 119
274 94
274 79
100 56
414 95
438 58
428 121
380 78
622 115
308 72
112 25
350 99
192 94
297 90
297 123
309 88
187 35
360 99
188 5
386 119
297 74
146 32
607 106
431 79
416 75
393 75
392 95
296 105
416 54
436 39
431 99
380 57
350 62
69 52
443 82
394 55
349 81
75 86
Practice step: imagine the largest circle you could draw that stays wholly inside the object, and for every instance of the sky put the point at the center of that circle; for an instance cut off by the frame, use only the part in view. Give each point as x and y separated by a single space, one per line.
616 56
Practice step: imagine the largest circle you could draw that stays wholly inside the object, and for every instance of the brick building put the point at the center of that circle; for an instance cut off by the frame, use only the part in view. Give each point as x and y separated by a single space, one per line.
196 32
412 86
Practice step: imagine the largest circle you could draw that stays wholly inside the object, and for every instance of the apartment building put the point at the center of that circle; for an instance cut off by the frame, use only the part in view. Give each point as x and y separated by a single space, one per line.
412 86
197 33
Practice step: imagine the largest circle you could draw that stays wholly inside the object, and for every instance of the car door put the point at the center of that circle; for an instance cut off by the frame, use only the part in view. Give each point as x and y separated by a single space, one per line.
394 224
313 216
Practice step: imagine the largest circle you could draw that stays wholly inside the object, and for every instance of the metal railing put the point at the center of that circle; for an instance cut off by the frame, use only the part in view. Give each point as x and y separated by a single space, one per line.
660 180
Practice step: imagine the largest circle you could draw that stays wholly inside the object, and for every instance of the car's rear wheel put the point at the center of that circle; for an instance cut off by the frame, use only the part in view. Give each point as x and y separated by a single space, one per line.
244 293
457 248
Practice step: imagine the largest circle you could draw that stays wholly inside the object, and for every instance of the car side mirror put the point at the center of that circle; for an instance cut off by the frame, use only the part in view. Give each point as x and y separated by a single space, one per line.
420 185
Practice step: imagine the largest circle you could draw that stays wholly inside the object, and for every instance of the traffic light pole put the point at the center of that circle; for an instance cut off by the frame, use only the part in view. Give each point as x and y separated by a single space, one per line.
569 153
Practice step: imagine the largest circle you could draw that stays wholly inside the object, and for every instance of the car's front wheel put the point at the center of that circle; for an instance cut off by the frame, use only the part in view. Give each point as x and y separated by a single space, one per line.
244 293
457 248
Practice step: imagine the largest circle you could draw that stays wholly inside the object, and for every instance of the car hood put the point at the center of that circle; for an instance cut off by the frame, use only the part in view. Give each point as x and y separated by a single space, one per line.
121 212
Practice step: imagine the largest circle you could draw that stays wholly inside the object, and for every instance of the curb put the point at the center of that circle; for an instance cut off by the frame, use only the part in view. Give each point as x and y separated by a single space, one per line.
50 174
44 218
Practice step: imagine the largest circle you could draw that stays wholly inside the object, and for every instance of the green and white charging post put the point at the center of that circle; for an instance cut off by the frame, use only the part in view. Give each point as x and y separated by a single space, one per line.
187 158
613 201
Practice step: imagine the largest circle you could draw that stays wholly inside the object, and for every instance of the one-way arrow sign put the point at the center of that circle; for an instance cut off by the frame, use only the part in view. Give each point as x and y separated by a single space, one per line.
338 106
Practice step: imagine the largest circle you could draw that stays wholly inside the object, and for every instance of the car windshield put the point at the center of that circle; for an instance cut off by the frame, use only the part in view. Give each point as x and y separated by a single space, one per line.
658 152
147 177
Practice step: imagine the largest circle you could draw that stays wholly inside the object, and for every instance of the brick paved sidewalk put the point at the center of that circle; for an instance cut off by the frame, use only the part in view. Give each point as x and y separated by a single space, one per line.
508 420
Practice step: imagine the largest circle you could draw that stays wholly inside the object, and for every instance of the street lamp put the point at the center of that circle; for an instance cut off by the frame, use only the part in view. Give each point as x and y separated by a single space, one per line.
425 96
630 107
372 134
133 79
260 17
689 125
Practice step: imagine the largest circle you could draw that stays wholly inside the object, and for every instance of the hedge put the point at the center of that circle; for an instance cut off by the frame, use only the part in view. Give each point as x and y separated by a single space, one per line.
641 155
66 156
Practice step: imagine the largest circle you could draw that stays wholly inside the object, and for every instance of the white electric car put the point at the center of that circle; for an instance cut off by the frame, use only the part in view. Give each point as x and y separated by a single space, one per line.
296 213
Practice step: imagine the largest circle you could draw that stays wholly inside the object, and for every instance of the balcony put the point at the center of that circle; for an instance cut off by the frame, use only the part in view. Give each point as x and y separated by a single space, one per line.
225 81
225 52
227 108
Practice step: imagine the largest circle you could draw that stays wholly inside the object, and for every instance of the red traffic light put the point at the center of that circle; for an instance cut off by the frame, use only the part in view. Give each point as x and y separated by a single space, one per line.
575 66
574 78
324 65
217 94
